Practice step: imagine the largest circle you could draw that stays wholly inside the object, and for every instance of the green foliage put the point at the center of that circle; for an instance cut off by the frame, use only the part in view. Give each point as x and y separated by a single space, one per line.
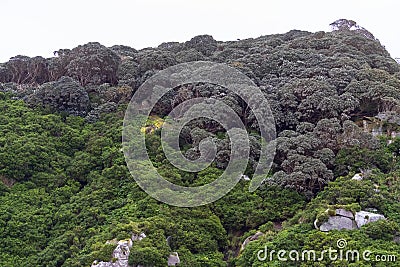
269 226
322 217
355 159
381 229
240 210
82 195
147 256
331 212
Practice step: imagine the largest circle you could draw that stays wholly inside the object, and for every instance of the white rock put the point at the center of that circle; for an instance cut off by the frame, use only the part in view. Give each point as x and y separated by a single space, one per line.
357 177
316 224
173 259
138 237
121 252
245 177
373 210
127 242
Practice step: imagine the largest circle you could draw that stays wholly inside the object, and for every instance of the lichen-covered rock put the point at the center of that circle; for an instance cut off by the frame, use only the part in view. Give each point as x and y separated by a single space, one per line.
64 95
138 237
120 255
389 117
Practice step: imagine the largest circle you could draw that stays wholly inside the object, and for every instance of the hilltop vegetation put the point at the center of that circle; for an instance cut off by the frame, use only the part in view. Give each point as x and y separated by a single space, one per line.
65 189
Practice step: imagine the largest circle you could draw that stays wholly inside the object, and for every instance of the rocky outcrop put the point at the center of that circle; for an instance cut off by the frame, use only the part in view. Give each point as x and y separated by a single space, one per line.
344 219
384 123
64 95
173 259
121 253
254 237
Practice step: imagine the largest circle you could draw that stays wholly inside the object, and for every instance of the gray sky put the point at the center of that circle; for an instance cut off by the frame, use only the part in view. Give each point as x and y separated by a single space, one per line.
39 27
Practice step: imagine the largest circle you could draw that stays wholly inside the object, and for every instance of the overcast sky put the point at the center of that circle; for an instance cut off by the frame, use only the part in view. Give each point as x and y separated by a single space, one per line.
39 27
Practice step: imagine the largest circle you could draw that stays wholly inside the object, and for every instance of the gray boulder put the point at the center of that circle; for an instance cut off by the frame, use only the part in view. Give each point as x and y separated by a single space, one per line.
364 217
338 223
173 259
344 213
344 219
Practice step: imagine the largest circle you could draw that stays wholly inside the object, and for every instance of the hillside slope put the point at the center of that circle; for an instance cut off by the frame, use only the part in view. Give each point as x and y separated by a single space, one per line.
67 197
